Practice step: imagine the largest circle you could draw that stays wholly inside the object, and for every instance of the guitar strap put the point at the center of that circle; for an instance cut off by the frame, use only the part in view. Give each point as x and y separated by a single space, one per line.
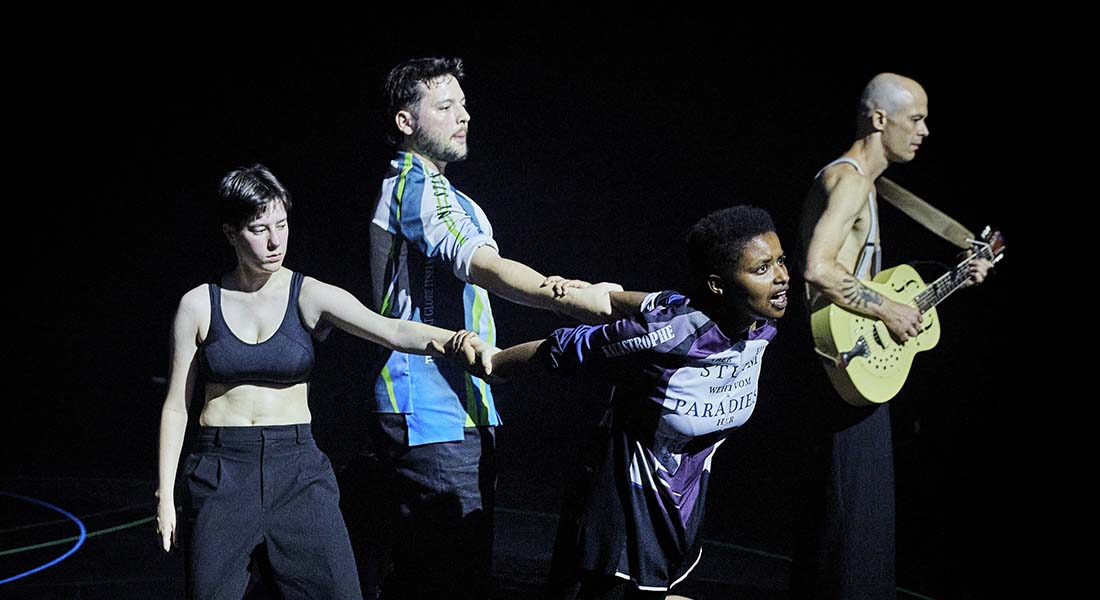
924 213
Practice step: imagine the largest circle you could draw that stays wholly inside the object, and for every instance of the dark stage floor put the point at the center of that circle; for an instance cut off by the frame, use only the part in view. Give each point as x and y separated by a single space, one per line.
118 556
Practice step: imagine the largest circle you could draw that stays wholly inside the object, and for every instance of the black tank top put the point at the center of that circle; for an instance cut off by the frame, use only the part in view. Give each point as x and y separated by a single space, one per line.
286 357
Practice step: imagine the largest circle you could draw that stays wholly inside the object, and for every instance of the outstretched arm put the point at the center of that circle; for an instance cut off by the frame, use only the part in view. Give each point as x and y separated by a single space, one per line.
521 359
568 348
516 282
627 303
492 364
440 227
321 301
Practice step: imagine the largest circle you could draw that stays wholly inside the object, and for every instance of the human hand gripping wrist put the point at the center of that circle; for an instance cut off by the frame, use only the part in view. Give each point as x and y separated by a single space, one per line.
560 286
592 304
473 353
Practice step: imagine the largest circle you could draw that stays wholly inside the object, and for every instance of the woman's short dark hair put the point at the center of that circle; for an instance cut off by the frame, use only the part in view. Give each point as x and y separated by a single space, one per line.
245 193
717 241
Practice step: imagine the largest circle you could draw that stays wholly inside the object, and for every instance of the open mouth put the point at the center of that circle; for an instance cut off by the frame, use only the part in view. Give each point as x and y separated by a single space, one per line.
779 300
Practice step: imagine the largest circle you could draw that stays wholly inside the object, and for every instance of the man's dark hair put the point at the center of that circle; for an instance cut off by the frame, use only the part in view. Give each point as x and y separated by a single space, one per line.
403 89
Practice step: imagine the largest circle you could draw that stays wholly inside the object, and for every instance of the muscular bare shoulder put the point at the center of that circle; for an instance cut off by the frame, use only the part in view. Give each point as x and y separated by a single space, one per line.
835 235
845 188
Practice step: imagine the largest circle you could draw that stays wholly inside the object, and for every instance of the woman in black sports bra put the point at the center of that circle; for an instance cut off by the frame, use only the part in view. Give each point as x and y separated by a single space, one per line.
257 483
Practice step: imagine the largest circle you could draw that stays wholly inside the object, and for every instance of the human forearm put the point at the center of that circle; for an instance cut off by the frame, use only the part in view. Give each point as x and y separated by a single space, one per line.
512 280
521 284
345 311
843 289
416 338
518 360
173 424
626 303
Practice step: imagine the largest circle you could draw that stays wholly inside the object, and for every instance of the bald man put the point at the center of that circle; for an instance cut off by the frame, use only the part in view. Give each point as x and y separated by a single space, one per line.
846 547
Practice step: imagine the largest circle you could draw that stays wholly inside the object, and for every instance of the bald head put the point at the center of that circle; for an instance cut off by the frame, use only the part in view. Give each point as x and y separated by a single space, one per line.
889 92
892 113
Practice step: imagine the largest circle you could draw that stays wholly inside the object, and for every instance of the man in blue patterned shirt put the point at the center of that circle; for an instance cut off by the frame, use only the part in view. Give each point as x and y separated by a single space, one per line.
434 260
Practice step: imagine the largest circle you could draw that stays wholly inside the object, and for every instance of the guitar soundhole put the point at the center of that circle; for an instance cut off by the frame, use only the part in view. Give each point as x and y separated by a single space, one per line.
887 359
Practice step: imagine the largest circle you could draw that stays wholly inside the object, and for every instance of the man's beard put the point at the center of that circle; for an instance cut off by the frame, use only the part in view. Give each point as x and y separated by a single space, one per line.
438 149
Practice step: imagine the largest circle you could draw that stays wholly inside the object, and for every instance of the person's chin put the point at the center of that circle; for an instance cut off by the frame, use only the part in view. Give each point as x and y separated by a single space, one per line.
774 312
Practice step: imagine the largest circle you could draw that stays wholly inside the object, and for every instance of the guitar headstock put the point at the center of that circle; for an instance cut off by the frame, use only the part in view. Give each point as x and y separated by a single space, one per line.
991 246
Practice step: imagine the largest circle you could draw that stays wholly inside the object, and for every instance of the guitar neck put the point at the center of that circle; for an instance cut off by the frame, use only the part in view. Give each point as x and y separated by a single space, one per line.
946 285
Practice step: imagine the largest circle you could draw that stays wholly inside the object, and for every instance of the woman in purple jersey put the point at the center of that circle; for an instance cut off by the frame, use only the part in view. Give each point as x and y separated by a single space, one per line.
685 371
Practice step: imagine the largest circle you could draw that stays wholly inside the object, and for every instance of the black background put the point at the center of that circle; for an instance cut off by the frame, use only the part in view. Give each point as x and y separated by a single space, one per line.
591 159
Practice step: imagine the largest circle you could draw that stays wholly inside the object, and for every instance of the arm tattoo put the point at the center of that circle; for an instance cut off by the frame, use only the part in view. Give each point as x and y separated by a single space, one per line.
858 295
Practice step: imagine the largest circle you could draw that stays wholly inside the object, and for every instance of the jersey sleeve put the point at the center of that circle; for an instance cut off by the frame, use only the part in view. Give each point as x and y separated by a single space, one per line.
629 338
431 218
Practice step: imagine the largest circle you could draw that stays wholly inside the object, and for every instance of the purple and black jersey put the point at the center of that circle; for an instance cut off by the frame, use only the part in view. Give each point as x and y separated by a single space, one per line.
680 386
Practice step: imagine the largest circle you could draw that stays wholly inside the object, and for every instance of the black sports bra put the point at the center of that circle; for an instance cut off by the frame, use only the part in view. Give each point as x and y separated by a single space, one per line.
286 357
